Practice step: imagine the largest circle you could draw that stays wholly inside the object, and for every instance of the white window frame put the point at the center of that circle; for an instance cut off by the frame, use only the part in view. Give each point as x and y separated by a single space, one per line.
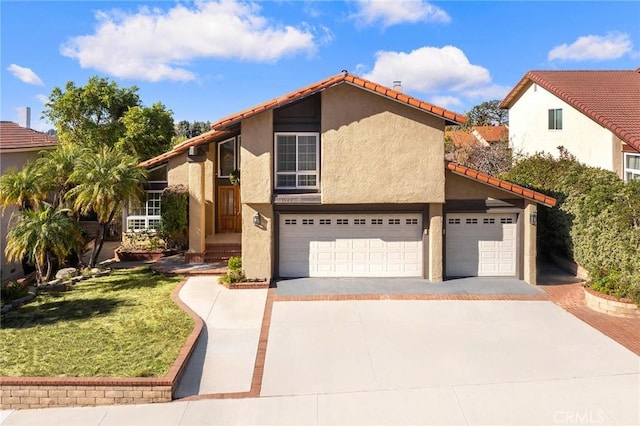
555 120
634 172
146 217
236 165
297 173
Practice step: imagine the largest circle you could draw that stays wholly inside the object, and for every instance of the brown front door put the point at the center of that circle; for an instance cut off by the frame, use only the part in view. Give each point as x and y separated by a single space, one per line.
229 209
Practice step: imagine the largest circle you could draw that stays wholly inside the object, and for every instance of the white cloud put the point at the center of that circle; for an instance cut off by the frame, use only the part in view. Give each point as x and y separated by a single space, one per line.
492 91
26 75
388 13
157 45
446 101
429 70
593 47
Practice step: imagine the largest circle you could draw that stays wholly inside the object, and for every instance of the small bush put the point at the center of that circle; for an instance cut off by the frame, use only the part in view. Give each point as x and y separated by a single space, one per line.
236 274
235 263
174 224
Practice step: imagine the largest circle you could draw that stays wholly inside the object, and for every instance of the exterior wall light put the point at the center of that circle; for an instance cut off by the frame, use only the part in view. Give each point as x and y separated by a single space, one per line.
256 219
533 218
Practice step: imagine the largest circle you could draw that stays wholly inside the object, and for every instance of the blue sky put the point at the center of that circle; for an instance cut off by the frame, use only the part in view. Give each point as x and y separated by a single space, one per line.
208 59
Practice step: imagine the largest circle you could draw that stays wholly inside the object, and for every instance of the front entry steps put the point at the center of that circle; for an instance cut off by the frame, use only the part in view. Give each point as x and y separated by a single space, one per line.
221 252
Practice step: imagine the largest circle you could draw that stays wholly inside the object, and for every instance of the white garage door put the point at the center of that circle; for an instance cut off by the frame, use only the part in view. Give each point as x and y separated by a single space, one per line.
481 244
350 245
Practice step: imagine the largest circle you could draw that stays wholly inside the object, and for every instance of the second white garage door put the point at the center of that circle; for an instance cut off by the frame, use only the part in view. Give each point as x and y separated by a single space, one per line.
350 245
481 244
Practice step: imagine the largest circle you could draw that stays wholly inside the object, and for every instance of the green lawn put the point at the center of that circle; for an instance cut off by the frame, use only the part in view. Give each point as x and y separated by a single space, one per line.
121 325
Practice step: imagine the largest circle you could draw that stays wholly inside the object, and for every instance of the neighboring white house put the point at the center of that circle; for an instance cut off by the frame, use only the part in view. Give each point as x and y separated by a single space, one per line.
18 145
595 115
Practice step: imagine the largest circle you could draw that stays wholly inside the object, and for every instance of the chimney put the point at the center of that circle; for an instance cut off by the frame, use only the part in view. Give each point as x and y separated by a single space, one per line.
24 117
397 86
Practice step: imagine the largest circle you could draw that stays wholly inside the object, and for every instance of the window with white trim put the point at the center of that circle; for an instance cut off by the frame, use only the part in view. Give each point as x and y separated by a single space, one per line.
228 157
297 160
555 119
147 215
631 166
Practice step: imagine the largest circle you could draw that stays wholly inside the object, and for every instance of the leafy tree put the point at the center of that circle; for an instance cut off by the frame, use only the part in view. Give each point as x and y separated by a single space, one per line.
104 181
187 130
103 114
41 235
23 188
487 114
148 131
90 115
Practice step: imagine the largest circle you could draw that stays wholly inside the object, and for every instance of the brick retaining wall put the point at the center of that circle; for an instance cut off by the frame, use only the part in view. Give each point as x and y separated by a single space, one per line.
40 392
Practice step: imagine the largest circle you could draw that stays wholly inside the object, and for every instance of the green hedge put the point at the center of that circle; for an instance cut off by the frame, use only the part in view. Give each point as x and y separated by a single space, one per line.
596 221
174 214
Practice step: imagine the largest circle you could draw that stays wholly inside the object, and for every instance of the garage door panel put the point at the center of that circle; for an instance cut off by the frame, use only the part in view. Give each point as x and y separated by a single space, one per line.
350 245
481 244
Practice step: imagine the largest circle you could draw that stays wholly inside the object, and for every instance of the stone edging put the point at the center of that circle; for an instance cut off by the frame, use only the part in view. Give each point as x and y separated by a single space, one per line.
40 392
610 305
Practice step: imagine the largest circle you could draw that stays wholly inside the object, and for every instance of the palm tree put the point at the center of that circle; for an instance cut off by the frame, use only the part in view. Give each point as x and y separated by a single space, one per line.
24 187
104 181
41 234
56 167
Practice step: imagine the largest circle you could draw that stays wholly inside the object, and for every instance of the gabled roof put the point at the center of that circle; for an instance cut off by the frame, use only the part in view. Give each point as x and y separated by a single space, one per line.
343 77
221 127
477 136
16 138
610 98
505 185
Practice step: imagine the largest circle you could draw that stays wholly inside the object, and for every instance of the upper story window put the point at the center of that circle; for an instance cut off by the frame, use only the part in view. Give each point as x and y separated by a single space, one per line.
158 174
631 166
296 160
555 119
228 157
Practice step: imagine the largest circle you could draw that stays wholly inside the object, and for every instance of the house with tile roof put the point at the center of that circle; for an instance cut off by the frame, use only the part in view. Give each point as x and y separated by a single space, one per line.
18 145
346 178
595 115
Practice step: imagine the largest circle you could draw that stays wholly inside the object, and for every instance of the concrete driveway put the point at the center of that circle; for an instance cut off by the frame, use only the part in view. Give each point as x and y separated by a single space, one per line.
449 362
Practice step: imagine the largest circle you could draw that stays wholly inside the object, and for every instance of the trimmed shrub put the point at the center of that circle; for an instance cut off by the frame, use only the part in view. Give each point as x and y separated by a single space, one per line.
174 215
596 221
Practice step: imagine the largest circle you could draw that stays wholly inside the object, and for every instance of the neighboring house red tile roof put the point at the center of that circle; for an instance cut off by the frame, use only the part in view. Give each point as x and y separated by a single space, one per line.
610 98
220 127
478 135
343 77
14 137
501 184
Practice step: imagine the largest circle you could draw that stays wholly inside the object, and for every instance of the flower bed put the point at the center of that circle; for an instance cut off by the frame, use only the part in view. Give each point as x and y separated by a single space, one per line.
610 305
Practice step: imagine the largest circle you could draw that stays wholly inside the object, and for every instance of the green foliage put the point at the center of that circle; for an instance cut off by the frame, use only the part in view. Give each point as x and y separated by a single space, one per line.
141 241
235 274
595 221
103 114
148 131
174 223
39 235
487 114
23 188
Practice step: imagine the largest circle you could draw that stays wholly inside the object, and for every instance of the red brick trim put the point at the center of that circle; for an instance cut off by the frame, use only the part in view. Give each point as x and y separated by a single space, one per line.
37 392
191 257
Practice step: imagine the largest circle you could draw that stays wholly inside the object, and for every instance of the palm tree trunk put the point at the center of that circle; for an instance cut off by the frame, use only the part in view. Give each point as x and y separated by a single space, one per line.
38 272
49 268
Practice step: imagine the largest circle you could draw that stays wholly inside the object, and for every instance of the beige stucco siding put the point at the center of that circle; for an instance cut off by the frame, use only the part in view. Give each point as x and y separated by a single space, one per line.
257 241
256 159
178 170
374 150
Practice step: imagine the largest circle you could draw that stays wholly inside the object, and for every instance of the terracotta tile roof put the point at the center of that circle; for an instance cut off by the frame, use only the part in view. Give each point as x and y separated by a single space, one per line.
344 77
501 184
220 127
182 147
463 138
610 98
15 137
